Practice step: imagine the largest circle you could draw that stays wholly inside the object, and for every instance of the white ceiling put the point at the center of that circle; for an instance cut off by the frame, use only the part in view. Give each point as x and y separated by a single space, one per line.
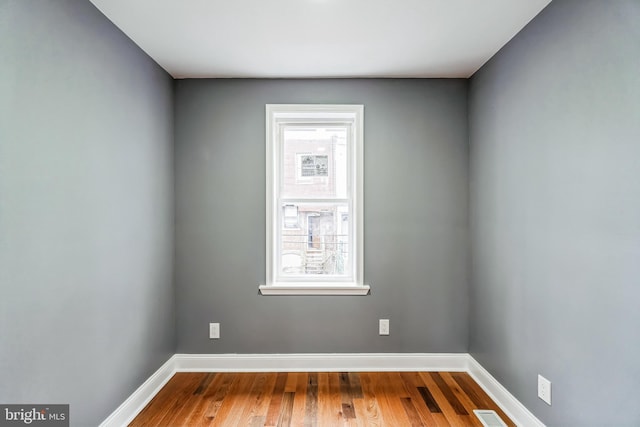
320 38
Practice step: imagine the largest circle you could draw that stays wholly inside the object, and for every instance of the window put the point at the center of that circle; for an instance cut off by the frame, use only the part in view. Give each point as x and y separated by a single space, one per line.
314 200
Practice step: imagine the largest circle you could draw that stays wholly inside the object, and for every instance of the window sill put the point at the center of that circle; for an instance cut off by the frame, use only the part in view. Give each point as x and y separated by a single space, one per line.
314 289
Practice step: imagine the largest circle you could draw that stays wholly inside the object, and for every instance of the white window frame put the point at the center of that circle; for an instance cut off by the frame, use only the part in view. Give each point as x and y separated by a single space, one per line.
277 116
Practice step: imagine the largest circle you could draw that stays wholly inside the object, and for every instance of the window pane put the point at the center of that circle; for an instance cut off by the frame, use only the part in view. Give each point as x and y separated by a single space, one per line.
290 216
314 162
319 245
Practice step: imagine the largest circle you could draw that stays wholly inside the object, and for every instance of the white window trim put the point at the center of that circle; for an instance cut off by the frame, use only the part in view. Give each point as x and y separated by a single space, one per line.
302 112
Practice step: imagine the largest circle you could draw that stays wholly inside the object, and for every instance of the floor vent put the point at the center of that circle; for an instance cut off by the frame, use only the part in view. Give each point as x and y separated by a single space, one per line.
489 418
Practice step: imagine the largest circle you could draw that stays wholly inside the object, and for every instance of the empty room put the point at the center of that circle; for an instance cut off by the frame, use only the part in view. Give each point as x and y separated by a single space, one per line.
319 213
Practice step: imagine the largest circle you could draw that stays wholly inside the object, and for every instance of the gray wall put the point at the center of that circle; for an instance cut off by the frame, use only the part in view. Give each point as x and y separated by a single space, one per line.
555 213
415 220
86 214
86 210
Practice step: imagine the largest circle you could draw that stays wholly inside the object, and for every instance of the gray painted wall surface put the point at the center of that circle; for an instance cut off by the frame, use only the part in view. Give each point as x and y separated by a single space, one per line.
415 220
86 210
555 213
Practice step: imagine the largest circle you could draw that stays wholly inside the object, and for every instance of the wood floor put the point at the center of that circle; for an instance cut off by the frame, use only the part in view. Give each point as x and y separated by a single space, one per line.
318 399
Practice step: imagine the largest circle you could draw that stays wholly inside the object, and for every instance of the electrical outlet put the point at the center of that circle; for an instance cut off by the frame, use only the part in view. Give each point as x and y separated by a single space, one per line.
544 389
383 327
214 331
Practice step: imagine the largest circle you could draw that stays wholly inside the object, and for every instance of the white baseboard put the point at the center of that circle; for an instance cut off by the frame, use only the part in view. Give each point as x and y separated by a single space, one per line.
339 362
143 395
507 402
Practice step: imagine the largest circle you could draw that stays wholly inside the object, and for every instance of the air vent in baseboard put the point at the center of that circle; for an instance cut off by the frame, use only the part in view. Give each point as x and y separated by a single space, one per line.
489 418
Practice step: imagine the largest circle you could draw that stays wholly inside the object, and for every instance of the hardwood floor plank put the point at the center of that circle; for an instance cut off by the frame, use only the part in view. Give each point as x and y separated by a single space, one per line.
311 408
429 400
258 421
357 400
471 420
201 403
263 401
399 392
286 409
437 415
412 412
361 413
300 399
292 382
345 394
388 400
341 399
446 408
373 414
448 393
347 411
186 405
335 401
218 387
276 401
460 379
398 385
411 382
214 396
324 405
234 404
356 387
255 398
197 417
204 384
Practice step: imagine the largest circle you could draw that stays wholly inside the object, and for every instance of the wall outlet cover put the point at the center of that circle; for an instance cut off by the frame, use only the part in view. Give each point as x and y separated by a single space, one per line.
544 389
383 327
214 331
